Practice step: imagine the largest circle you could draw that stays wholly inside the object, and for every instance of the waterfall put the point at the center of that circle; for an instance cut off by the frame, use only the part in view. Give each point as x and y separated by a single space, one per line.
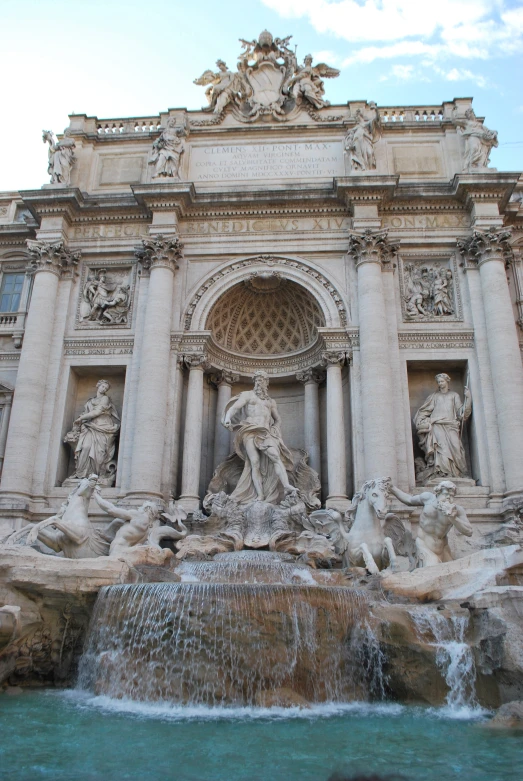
453 654
228 643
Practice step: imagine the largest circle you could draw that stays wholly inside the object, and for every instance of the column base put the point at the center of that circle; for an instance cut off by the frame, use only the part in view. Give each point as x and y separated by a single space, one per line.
190 503
137 497
340 503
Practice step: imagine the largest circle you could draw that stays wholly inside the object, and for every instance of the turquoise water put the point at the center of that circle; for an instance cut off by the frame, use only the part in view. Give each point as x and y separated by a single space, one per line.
73 736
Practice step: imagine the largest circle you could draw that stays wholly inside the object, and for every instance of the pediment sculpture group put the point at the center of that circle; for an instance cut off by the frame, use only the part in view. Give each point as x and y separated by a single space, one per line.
265 495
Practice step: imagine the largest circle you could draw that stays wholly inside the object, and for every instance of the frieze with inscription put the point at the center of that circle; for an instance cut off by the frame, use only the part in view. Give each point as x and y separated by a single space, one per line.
425 221
265 225
109 231
244 162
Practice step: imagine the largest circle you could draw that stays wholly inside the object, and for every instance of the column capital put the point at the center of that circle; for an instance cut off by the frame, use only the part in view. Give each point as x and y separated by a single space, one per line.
313 374
51 256
371 247
194 361
223 377
335 358
482 246
159 252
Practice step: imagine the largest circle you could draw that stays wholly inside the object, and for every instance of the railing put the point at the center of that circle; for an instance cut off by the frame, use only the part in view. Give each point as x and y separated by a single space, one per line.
10 321
130 125
411 114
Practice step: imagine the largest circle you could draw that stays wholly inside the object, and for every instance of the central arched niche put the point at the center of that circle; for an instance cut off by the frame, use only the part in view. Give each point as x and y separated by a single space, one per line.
264 315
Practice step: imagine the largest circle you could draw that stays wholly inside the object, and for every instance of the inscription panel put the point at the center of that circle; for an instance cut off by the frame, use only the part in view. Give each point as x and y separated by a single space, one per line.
243 162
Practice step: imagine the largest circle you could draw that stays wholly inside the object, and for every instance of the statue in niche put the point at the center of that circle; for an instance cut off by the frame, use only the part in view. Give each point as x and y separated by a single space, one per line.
93 435
139 526
259 443
104 300
168 150
439 424
438 516
307 84
429 291
360 140
61 156
69 531
479 140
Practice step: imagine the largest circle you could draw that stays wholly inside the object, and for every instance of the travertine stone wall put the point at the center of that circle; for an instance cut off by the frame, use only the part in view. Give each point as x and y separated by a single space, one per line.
262 204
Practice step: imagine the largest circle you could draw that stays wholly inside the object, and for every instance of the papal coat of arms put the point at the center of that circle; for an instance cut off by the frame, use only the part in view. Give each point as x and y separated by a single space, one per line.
268 81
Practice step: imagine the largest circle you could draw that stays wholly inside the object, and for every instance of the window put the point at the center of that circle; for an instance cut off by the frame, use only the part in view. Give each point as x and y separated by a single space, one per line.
10 292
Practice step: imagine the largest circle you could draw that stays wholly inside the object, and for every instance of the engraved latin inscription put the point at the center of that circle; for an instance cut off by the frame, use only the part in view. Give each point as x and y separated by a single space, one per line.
265 161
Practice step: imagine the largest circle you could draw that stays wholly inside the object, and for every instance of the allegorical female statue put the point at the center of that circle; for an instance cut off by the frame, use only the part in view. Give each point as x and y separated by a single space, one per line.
439 425
360 140
168 149
479 140
94 434
61 157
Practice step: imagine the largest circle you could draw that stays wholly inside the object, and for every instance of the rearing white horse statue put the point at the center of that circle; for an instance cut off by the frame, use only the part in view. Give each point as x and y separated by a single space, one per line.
368 545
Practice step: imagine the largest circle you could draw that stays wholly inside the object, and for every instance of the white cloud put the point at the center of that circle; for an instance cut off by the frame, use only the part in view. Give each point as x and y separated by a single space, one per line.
331 58
462 74
468 29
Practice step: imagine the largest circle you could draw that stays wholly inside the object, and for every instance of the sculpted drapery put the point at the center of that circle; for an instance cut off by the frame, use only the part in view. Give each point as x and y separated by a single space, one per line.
438 423
96 431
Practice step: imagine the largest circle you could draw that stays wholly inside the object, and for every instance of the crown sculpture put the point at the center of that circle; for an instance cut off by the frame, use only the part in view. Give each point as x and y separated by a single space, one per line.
268 81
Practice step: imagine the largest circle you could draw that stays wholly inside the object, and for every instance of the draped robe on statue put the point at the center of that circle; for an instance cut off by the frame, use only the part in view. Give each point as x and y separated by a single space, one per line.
438 423
263 438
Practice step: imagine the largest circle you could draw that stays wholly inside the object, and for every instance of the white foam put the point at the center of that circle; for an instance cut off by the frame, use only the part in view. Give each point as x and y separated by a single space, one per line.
169 712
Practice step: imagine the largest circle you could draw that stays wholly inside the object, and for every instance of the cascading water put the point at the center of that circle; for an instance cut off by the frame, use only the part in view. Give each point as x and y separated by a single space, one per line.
230 643
453 654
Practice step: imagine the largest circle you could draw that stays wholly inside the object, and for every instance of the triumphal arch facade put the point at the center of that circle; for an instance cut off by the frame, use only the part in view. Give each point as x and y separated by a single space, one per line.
352 253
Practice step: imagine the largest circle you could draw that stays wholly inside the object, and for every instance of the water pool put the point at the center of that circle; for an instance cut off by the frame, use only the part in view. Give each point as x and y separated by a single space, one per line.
68 735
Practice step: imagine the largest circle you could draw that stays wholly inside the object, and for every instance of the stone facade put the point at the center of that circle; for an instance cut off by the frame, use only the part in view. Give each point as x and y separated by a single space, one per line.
352 252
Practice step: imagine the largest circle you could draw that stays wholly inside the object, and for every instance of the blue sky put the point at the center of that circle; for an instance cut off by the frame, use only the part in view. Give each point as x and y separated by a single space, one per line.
112 58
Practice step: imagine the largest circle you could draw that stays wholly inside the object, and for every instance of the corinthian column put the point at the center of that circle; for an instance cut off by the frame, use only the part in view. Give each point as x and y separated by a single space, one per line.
490 250
336 457
158 254
192 440
48 262
311 378
370 250
222 436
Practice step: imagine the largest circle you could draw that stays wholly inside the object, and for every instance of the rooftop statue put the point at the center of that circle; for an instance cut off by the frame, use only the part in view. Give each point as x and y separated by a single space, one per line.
360 140
268 81
479 140
61 156
168 150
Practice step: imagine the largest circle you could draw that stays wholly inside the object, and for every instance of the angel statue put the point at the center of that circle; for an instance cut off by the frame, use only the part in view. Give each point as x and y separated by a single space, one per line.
222 88
308 82
61 156
168 149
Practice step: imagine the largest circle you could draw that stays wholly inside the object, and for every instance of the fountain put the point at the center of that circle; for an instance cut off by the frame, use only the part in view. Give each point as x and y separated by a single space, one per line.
251 628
